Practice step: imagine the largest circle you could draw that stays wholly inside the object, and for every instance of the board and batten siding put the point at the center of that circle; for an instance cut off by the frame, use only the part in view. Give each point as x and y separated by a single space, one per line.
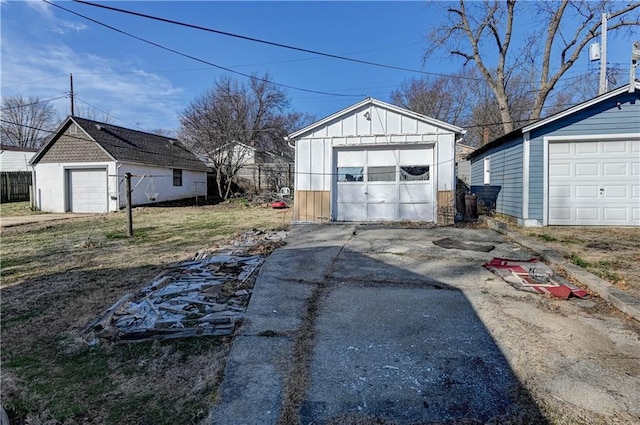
506 171
366 126
604 118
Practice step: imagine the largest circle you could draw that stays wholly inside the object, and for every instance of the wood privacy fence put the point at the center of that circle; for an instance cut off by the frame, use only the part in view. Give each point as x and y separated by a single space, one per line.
15 185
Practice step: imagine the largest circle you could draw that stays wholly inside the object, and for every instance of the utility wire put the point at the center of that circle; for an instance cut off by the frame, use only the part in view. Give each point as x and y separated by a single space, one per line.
32 103
270 43
252 77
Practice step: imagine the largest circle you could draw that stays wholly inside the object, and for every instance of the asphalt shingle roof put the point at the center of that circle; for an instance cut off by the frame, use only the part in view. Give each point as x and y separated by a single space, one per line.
127 145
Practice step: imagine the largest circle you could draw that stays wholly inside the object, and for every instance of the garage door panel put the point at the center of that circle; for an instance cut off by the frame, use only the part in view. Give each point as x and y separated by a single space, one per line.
615 214
352 192
615 169
598 189
88 190
383 195
586 169
586 148
615 147
381 212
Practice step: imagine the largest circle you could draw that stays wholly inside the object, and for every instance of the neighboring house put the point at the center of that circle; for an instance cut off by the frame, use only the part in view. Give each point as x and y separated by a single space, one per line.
580 166
374 162
264 170
15 173
15 158
463 165
81 168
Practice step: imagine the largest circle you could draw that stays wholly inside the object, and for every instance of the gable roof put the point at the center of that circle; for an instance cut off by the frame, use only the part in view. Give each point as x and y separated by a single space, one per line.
134 146
16 148
381 104
555 117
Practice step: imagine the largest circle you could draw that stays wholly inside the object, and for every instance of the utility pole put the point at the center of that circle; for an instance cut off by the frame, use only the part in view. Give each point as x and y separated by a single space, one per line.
127 188
603 56
71 93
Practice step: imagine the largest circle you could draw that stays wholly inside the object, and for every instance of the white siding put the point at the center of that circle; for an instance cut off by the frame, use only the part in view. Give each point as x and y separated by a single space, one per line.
15 161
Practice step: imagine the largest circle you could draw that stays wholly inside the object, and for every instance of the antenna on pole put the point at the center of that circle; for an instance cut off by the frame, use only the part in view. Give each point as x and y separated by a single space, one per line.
603 57
71 93
635 61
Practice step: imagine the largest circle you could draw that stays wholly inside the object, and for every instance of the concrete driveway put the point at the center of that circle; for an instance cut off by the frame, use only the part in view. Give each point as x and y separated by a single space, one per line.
376 322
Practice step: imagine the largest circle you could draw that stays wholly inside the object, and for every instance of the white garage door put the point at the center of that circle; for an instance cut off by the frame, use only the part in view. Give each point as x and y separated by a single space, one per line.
88 190
384 185
594 183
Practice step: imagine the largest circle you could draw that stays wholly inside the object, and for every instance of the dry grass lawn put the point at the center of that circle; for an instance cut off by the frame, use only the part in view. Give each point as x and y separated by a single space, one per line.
612 253
58 276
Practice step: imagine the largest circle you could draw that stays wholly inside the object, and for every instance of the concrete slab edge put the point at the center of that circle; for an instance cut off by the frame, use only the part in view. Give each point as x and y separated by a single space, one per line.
614 296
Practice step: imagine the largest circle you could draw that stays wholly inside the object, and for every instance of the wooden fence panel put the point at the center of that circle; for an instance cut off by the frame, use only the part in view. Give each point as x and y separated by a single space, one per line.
15 185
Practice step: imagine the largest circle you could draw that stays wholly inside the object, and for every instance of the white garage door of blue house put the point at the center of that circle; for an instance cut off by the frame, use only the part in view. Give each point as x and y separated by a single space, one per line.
87 190
383 184
594 183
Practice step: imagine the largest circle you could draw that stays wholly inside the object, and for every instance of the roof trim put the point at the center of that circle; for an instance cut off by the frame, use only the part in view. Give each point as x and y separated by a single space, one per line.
557 116
381 104
580 106
56 135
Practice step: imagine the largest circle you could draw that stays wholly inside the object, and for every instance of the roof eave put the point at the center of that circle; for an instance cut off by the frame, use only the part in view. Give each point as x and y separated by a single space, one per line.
455 129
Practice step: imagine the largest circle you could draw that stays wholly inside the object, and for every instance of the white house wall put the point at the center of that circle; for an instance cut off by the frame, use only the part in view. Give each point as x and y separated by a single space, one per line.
50 186
194 183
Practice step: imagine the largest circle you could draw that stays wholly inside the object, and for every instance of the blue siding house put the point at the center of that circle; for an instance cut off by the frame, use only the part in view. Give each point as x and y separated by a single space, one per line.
580 166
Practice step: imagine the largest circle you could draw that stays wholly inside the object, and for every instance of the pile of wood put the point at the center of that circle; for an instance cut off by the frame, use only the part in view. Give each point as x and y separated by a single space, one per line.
188 299
205 296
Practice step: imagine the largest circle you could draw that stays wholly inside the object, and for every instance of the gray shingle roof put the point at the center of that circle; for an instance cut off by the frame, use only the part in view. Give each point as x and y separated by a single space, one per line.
127 145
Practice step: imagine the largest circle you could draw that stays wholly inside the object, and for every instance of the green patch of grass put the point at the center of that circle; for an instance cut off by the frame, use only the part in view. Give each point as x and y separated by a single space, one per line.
547 238
578 261
14 209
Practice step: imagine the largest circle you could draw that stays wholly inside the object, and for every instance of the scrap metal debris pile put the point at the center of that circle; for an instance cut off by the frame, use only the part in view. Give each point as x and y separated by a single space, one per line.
534 276
205 296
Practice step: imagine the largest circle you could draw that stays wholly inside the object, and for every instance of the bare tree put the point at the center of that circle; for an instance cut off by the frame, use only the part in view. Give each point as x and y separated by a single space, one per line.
230 120
439 98
26 122
482 33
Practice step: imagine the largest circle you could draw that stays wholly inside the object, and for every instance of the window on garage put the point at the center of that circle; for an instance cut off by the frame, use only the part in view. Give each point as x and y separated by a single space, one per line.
381 174
177 177
350 174
414 173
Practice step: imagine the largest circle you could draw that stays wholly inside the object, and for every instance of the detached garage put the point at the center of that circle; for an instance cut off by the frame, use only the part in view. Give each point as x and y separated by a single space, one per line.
579 167
375 162
81 168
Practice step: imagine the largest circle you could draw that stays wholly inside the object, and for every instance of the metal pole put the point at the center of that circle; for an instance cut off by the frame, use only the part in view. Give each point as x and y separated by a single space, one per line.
127 181
603 57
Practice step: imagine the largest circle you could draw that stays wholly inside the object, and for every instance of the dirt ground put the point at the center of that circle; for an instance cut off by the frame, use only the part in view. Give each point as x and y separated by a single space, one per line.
612 253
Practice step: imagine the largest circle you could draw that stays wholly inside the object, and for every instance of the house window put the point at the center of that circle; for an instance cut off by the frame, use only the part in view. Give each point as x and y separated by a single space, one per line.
350 174
381 174
177 177
487 170
414 173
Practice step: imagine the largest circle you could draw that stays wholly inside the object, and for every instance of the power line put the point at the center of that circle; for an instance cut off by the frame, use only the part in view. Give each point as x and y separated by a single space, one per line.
32 103
271 43
252 77
107 113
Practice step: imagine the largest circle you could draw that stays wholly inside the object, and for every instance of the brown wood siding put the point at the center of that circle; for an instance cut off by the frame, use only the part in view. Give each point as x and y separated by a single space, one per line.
312 205
446 209
74 148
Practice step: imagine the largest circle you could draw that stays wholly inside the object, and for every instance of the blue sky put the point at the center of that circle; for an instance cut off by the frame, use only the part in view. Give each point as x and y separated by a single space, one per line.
141 85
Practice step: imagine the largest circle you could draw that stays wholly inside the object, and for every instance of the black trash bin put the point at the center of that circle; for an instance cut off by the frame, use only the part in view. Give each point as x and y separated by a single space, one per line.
470 207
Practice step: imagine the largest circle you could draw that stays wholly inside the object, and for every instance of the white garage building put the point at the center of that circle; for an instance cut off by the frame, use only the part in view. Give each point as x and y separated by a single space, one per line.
81 168
372 162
